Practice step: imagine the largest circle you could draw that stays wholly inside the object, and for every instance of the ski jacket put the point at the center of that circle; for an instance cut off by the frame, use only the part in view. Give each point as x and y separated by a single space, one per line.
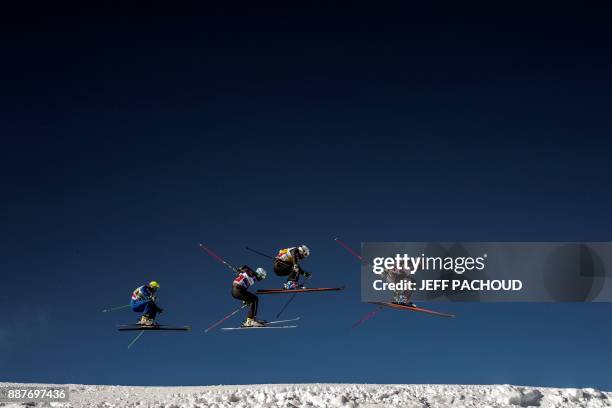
244 279
142 293
395 274
389 272
288 255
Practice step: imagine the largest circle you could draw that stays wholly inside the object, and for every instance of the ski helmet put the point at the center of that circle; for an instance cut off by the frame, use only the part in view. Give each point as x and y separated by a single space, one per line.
304 251
247 269
154 285
261 273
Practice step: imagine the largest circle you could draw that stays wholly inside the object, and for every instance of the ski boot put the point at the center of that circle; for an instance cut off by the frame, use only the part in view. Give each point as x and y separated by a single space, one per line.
250 322
146 321
402 300
292 285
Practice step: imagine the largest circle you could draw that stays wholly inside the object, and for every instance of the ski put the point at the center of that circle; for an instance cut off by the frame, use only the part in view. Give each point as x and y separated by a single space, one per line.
137 327
284 321
272 291
258 327
413 308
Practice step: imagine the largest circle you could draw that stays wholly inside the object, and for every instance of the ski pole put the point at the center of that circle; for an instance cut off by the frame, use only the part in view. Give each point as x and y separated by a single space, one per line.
225 318
135 339
348 248
356 255
286 304
268 256
111 309
218 258
289 301
367 317
260 253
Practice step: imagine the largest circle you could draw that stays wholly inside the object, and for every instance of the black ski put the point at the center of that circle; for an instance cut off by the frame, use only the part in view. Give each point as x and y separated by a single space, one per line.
138 327
303 290
257 327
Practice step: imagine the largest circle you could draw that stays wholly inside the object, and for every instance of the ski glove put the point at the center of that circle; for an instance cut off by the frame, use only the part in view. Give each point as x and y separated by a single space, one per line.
307 275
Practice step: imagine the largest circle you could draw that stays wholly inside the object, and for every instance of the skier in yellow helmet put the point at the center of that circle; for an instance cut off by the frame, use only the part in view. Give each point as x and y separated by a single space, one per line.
144 301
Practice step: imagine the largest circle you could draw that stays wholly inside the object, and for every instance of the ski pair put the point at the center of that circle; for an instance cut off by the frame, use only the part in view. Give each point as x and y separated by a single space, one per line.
267 326
382 305
302 290
139 327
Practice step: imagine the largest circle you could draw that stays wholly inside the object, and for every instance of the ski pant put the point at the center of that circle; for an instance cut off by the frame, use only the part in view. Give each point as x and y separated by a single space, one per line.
146 307
240 293
286 269
401 295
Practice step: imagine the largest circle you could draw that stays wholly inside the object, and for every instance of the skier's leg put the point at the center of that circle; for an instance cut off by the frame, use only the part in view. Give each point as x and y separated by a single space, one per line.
408 293
138 306
252 300
254 304
293 276
141 307
237 293
402 297
241 293
282 268
150 309
292 279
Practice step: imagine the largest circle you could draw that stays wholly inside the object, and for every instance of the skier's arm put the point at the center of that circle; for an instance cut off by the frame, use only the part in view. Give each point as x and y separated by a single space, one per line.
294 256
147 293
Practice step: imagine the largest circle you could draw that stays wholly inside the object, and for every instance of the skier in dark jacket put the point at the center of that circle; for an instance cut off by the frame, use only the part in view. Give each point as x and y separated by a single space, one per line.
244 280
395 275
287 264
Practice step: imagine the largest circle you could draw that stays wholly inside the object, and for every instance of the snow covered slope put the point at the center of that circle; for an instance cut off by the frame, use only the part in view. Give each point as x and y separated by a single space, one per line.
332 395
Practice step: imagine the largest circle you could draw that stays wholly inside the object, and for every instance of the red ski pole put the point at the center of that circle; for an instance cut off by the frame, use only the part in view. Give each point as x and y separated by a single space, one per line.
367 316
225 318
356 255
348 248
217 257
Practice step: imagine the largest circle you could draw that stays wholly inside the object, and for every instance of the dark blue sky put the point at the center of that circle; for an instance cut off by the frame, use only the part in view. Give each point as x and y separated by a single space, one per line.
126 141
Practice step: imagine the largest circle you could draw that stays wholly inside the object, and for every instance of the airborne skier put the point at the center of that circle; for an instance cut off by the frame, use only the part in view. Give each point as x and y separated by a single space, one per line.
286 264
144 301
245 278
395 275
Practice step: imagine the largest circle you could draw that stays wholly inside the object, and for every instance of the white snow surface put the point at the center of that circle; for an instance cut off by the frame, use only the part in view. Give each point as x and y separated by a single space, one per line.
328 395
